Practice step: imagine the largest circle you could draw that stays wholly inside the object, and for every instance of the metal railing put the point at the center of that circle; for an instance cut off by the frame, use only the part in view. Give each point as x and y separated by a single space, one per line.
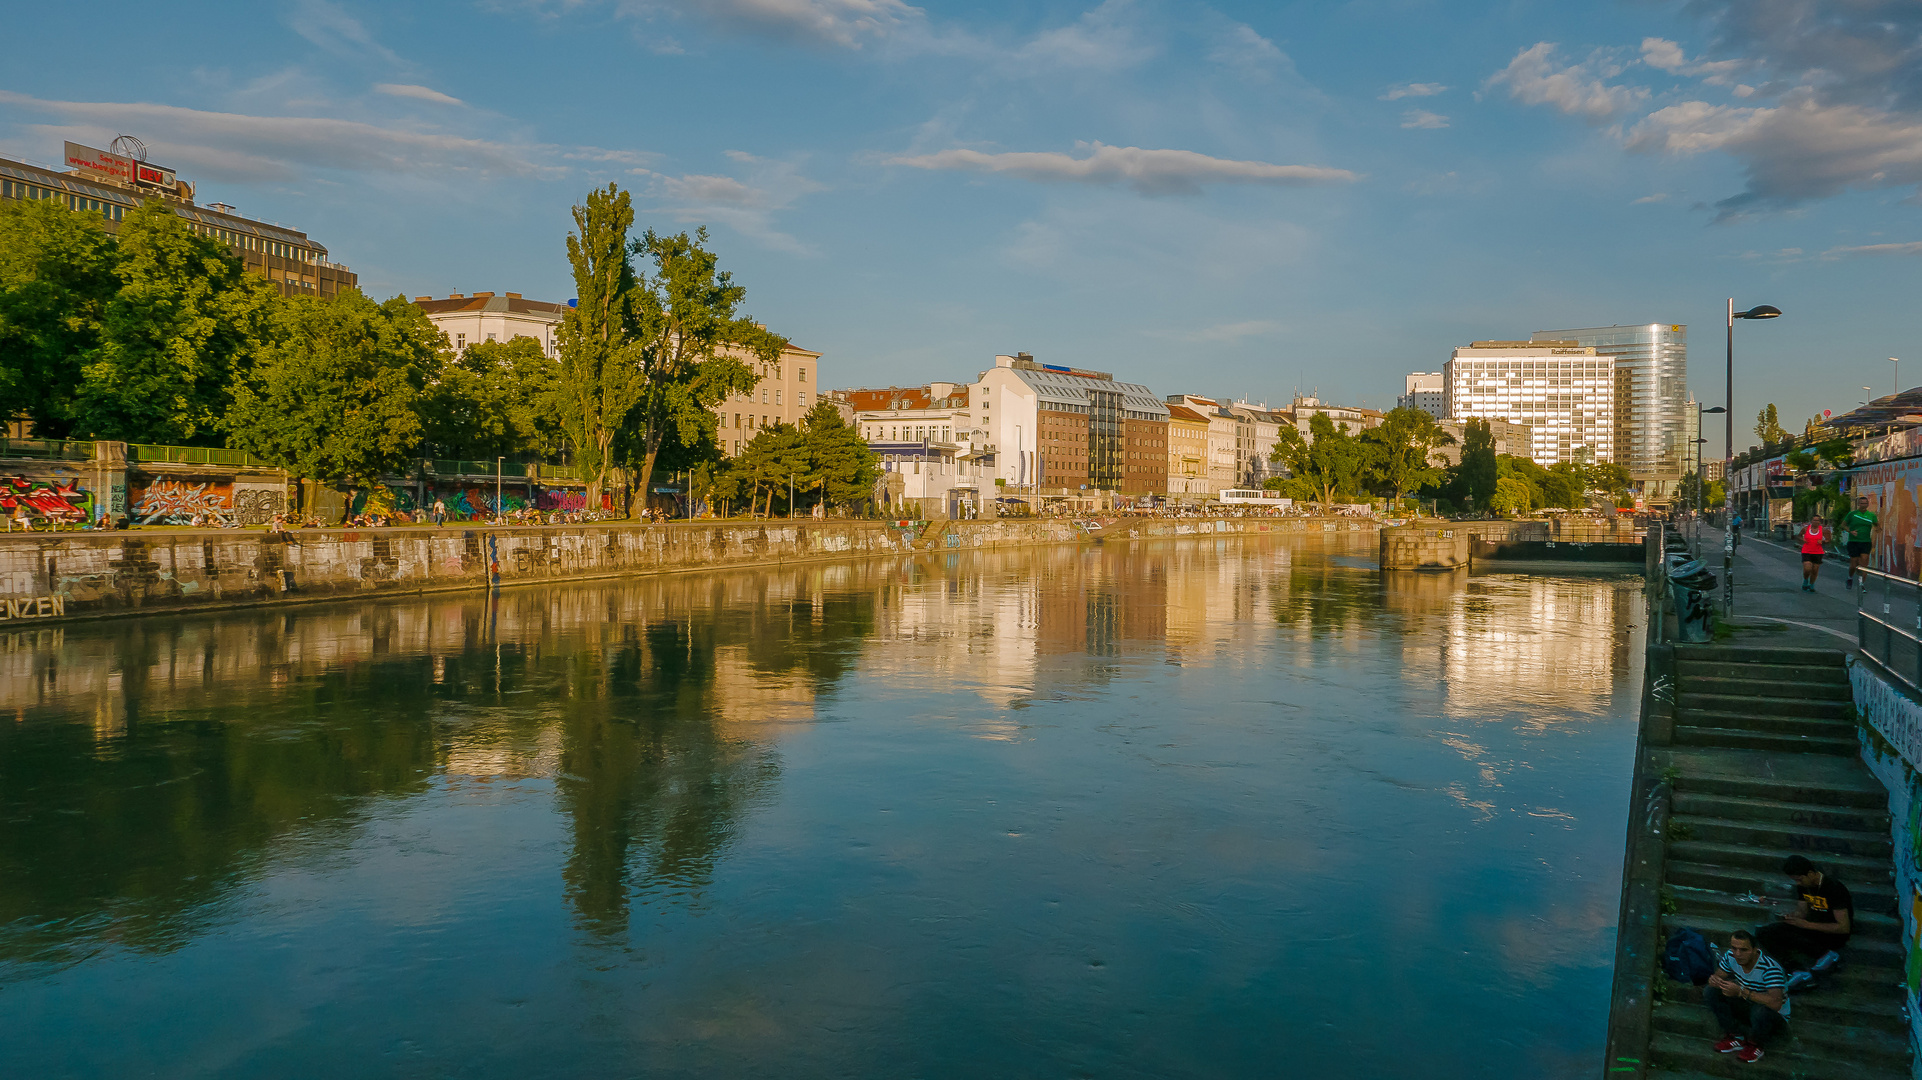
458 467
53 449
195 455
1888 627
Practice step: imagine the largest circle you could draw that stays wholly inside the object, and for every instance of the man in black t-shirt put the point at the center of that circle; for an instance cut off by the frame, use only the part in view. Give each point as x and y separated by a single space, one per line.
1809 939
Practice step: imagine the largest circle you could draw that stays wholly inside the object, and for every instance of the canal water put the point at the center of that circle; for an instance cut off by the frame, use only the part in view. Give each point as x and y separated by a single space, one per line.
1186 809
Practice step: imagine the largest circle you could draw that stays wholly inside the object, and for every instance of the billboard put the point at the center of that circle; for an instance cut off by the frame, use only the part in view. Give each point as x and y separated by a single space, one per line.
117 166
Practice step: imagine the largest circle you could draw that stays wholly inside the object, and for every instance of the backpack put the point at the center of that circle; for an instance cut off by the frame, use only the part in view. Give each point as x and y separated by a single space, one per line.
1686 957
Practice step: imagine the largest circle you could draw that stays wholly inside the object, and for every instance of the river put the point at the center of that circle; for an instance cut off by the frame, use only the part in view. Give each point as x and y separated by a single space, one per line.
1199 808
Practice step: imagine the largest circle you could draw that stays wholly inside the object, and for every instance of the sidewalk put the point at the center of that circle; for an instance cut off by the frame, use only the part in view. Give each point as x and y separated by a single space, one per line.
1771 610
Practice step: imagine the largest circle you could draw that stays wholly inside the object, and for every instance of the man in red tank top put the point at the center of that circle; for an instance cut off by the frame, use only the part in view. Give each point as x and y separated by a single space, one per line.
1815 535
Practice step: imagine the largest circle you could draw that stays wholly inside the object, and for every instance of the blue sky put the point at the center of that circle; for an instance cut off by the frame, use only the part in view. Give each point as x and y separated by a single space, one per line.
1209 198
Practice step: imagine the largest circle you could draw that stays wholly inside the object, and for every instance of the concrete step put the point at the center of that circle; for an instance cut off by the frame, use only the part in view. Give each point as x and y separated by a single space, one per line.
1866 959
1738 881
1693 1056
1821 727
1757 674
1807 1047
1715 904
1752 703
1858 873
1739 654
1869 796
1745 685
1816 843
1736 808
1737 739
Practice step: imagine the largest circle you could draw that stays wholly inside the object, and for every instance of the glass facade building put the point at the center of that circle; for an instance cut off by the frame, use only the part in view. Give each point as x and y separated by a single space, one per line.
1651 393
1563 392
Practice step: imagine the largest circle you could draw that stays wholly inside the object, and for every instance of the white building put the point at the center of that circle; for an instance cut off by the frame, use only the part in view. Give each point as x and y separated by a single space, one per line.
927 436
469 320
1063 427
1355 417
1564 392
1426 391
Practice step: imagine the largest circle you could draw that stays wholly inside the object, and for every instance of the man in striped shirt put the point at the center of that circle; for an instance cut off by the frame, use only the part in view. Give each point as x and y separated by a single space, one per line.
1749 997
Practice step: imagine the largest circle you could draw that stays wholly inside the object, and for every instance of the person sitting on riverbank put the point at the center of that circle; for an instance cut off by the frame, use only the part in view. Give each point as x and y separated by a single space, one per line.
1815 538
1748 995
1810 938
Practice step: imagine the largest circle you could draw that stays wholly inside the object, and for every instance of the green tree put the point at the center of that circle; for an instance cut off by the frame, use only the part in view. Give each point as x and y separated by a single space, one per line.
1512 496
335 396
602 371
1768 426
776 456
183 325
1333 462
497 398
690 325
1564 485
839 461
1405 444
1477 471
56 280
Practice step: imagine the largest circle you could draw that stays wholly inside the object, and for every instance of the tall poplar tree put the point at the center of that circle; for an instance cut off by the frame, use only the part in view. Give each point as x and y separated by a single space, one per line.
603 376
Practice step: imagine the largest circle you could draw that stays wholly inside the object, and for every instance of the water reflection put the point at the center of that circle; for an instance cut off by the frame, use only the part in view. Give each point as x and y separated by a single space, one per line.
953 793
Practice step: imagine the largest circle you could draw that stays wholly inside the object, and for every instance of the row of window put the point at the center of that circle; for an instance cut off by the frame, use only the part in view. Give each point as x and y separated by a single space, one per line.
246 242
17 189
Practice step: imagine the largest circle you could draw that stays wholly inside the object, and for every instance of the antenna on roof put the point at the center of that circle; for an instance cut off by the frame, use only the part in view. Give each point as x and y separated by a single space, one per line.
128 146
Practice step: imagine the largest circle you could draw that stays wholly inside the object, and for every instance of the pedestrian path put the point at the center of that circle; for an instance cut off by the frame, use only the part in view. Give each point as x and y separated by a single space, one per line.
1772 610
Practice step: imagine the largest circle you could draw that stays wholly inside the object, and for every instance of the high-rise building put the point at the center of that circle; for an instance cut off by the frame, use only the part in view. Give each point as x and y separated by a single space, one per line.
1651 385
114 185
1564 392
1427 392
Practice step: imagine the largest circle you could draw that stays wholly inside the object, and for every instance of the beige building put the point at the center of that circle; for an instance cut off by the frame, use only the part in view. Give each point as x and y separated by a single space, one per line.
1188 455
1358 419
783 396
1255 444
1517 440
485 316
1225 437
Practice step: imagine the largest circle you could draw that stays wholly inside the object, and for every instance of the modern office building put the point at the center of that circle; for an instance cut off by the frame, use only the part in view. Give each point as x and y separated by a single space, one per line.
1063 427
483 316
1651 387
1564 392
1426 392
114 185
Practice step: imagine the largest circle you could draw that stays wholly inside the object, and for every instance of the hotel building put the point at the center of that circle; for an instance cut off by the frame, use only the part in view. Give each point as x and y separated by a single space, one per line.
114 185
1564 392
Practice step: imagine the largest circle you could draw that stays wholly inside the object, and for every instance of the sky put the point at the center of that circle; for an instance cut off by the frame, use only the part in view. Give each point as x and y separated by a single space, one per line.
1221 199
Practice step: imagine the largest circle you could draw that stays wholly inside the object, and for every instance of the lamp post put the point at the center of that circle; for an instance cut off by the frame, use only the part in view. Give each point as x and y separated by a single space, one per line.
1701 485
1760 311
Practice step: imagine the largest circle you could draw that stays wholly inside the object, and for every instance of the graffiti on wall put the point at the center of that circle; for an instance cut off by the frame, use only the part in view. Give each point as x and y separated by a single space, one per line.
51 501
166 501
258 505
1894 489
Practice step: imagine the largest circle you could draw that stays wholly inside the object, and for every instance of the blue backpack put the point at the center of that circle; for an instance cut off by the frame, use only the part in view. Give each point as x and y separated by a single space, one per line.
1686 957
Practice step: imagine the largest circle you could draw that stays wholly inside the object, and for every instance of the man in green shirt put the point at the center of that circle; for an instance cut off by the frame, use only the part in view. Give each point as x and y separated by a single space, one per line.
1860 525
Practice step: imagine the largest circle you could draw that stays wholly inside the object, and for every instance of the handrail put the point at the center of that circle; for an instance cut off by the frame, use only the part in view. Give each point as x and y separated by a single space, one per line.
1879 635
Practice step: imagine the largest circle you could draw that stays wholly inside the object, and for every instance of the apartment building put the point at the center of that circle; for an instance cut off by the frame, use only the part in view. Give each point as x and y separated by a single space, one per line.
484 316
784 394
1064 427
1188 479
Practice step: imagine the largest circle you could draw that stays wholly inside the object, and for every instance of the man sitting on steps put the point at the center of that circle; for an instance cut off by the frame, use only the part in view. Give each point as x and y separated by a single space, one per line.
1810 938
1748 996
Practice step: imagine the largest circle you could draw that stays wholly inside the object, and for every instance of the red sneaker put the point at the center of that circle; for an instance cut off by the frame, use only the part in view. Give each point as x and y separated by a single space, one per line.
1748 1055
1729 1044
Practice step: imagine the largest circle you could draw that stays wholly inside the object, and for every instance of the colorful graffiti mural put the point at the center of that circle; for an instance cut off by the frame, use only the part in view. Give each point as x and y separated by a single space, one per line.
43 499
1894 489
179 502
258 505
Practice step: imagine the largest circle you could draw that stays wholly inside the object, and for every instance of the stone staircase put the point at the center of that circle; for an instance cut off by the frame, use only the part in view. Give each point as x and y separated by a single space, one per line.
1764 764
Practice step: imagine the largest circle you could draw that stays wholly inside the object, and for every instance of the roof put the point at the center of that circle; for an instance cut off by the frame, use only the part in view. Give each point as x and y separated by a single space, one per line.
205 215
489 302
1897 410
1184 413
913 397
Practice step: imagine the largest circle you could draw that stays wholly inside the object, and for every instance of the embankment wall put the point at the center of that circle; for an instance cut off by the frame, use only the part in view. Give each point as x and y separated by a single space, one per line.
92 575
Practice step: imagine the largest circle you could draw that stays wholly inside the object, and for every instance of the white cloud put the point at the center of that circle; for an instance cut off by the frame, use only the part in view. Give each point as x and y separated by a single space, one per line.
417 93
1237 331
237 146
1913 247
1242 47
842 23
1422 118
746 206
1792 153
1150 172
1660 196
330 27
1413 89
1103 39
1534 77
1668 56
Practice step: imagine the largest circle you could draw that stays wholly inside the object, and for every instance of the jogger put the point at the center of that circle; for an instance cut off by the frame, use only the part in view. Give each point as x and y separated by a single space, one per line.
1814 536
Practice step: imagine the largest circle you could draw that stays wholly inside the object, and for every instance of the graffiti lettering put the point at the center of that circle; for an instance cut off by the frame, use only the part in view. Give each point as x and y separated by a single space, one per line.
33 607
175 502
257 506
57 502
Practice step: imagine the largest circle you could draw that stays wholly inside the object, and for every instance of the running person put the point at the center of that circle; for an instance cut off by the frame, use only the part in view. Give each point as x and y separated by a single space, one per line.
1815 536
1860 525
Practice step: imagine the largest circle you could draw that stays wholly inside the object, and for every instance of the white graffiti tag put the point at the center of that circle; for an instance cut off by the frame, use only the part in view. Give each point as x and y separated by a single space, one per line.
173 502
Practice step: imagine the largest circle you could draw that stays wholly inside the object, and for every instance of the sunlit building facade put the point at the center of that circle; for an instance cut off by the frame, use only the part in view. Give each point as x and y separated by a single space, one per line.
1563 392
1651 392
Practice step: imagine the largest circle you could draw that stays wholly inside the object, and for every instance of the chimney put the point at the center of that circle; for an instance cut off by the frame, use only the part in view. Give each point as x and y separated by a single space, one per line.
422 299
478 295
513 296
1028 356
455 296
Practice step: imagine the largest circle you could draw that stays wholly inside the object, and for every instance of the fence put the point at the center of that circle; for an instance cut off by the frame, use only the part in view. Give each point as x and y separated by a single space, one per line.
1889 629
52 449
195 455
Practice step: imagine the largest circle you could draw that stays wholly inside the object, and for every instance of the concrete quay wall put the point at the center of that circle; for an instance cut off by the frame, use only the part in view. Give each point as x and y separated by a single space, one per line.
93 575
1451 545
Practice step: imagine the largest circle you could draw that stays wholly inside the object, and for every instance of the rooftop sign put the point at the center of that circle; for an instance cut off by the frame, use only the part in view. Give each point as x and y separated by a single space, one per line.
118 166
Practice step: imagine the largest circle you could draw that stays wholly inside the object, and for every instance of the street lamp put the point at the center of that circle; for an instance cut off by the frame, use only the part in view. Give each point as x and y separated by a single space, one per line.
1701 487
1760 311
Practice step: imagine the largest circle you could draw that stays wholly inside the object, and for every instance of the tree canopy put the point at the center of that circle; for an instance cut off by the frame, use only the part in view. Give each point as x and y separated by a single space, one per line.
1405 443
1332 463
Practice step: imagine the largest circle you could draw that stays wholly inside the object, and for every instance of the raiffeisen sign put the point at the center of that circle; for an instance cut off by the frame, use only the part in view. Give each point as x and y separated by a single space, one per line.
118 166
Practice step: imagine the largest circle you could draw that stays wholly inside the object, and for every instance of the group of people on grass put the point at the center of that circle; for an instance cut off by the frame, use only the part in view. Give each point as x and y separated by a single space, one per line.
1759 973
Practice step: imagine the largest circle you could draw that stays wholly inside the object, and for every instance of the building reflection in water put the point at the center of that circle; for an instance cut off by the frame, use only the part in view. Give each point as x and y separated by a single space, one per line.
152 767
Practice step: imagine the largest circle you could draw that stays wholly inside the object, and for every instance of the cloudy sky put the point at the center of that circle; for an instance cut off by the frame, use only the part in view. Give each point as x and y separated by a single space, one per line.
1213 198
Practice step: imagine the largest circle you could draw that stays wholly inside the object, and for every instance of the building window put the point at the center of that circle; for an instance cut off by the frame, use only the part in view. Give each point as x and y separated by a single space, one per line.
777 397
800 374
460 342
